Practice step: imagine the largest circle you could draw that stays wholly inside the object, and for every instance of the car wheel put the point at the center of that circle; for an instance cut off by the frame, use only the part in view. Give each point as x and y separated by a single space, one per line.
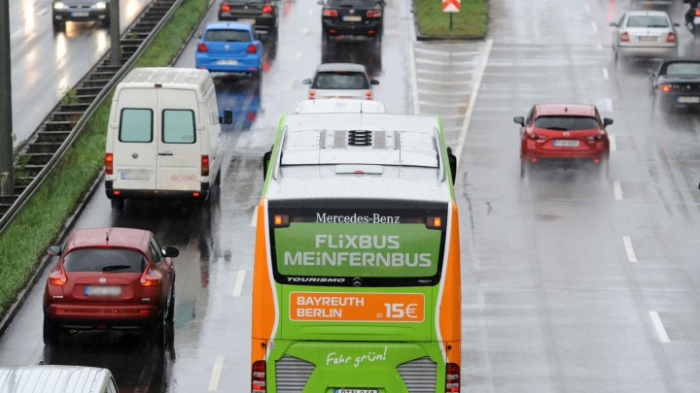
52 334
117 204
157 332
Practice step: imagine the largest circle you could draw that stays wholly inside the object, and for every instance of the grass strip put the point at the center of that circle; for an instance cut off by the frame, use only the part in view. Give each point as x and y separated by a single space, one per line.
38 224
470 22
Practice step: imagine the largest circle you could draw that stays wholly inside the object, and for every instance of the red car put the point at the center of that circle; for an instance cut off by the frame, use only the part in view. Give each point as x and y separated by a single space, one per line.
563 135
110 279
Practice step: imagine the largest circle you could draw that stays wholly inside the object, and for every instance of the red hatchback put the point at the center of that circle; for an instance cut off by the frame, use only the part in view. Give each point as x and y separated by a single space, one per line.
110 278
563 135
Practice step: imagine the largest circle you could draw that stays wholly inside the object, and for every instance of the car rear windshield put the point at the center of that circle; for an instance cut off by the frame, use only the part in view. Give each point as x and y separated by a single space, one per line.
116 260
227 36
351 3
565 123
683 69
340 80
647 21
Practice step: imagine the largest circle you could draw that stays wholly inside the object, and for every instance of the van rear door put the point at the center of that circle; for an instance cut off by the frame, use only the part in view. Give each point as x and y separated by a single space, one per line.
179 152
135 140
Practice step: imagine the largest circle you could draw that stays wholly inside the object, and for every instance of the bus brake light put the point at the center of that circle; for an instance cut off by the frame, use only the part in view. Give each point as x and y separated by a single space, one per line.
281 220
434 222
452 383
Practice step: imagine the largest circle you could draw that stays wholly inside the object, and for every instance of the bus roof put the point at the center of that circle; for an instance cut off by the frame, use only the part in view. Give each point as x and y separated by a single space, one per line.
363 156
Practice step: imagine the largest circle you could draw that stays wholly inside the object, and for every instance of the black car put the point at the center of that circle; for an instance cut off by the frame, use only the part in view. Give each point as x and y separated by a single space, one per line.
79 11
352 17
676 82
260 13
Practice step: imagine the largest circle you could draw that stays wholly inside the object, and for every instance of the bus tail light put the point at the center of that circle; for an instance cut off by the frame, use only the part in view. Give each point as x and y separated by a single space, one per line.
434 222
205 165
452 383
109 163
58 277
281 220
257 379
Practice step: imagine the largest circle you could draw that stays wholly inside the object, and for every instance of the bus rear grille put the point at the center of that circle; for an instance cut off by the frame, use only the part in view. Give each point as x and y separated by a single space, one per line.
419 375
292 374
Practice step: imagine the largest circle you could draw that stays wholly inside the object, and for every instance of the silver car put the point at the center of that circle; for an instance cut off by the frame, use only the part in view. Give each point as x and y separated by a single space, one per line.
341 80
645 34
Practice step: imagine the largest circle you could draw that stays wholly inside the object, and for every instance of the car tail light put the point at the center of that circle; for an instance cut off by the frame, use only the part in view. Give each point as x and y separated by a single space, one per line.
671 37
697 12
665 88
205 165
374 14
257 380
368 94
267 8
109 163
625 37
58 277
252 48
147 280
225 7
599 137
452 383
202 47
331 13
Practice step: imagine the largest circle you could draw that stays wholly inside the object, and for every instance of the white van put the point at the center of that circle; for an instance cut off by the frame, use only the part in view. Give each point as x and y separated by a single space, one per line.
163 138
56 379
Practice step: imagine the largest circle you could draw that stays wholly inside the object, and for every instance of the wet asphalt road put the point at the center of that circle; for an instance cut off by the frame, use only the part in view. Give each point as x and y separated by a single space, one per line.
572 283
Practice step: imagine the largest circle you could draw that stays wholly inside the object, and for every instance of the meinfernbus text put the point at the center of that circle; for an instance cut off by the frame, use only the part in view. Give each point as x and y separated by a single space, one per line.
356 284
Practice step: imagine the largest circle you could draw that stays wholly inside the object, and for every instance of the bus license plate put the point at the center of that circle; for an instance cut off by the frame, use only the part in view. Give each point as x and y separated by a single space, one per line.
565 143
356 390
103 291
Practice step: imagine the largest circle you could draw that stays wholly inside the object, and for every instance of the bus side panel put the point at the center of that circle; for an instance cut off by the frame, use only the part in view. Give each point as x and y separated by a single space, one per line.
264 314
451 306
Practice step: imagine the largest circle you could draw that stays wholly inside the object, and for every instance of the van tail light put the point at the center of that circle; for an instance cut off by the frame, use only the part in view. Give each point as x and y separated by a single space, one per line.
452 382
205 165
625 37
374 14
147 280
267 8
665 88
312 94
58 277
226 7
257 380
202 47
671 38
252 48
368 94
109 163
331 13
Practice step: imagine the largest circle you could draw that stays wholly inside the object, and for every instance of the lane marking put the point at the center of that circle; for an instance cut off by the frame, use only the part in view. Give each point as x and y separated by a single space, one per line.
472 99
311 10
594 26
451 117
298 56
660 330
16 33
216 374
599 46
238 285
414 79
442 104
437 62
606 73
587 7
617 188
305 31
442 93
448 83
613 142
291 85
443 53
609 104
431 72
629 249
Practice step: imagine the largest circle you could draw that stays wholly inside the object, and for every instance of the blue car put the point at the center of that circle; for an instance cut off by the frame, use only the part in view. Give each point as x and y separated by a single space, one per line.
230 47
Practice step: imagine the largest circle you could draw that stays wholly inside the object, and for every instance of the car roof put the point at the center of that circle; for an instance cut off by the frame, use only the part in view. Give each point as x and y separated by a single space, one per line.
352 67
229 25
53 379
565 109
116 237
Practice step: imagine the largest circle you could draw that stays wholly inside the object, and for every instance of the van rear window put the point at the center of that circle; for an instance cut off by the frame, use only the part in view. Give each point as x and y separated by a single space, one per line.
178 126
136 125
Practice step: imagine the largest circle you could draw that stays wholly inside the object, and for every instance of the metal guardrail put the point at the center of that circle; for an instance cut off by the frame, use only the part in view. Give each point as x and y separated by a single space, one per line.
135 30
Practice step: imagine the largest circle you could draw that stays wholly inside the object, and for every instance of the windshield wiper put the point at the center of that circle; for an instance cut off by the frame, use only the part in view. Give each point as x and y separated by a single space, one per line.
115 267
557 128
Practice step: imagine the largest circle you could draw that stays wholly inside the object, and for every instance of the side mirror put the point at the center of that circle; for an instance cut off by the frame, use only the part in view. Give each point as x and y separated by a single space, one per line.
676 24
228 117
373 82
320 2
266 162
613 24
306 81
520 120
452 161
607 121
651 73
54 250
171 252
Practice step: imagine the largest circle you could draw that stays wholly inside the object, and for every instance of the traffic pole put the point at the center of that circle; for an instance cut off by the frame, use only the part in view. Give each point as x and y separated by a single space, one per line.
7 183
116 55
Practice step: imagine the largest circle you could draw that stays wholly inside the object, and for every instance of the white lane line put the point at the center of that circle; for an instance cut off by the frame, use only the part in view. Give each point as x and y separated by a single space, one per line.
629 249
472 100
437 62
599 46
587 7
443 105
617 188
608 104
305 31
606 73
594 26
216 374
16 33
451 73
414 79
445 83
444 53
613 142
660 330
311 10
291 85
451 117
298 56
238 284
442 93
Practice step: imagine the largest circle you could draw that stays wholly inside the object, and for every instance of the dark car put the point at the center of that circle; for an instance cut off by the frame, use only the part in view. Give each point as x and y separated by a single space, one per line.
260 13
110 279
352 17
79 11
676 82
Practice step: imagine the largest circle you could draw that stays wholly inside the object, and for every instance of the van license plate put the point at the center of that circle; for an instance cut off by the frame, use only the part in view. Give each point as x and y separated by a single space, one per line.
135 175
103 291
356 390
251 21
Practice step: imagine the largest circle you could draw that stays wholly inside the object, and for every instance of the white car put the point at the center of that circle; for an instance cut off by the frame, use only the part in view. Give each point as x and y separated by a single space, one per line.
340 106
645 34
341 80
